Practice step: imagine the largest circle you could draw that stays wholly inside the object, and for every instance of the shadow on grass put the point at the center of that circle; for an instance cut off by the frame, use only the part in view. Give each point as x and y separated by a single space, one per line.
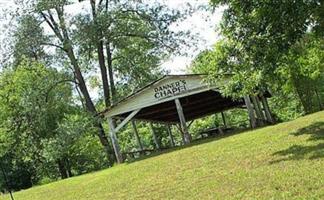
193 143
298 152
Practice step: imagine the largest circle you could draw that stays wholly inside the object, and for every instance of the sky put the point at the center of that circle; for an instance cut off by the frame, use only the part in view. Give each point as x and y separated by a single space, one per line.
202 23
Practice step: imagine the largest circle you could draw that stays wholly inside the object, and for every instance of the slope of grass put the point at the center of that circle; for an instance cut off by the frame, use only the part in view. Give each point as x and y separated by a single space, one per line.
284 161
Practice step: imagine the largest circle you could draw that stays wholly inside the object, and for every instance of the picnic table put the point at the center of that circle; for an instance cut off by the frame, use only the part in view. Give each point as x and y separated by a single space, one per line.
137 153
212 132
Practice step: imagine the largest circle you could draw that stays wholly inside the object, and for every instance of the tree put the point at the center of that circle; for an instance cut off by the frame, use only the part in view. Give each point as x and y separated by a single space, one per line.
74 149
301 71
136 37
269 45
33 100
129 33
299 75
260 33
29 40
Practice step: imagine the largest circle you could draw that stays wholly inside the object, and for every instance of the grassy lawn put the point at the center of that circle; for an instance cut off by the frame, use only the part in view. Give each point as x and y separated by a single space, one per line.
284 161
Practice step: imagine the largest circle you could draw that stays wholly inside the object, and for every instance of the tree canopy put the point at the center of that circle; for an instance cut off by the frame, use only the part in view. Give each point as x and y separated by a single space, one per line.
259 33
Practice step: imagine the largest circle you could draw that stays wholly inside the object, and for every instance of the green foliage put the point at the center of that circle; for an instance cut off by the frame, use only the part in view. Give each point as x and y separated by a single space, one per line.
29 40
128 141
137 36
301 72
40 113
297 77
220 63
30 108
286 106
74 140
40 126
258 34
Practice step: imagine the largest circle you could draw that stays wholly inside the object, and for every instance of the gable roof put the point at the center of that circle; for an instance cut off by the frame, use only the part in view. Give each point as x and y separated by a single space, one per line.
156 82
145 96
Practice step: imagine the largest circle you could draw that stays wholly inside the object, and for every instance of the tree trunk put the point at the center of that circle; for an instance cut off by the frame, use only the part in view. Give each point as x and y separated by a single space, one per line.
103 71
300 94
319 100
111 74
101 56
91 108
109 63
68 167
62 34
62 169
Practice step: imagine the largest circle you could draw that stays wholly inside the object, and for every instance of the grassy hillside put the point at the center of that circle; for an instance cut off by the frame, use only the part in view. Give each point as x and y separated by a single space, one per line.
285 161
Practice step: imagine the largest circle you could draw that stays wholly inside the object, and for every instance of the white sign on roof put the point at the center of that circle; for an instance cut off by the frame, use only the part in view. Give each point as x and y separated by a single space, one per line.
163 90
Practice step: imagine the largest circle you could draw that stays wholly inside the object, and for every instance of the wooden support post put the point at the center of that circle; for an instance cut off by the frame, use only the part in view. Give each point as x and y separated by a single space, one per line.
184 128
138 139
126 120
250 111
259 107
181 133
319 100
267 109
258 111
114 140
157 144
190 123
221 132
170 135
224 121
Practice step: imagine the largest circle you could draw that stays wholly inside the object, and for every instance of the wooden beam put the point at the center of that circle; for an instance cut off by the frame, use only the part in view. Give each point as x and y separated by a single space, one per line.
171 136
126 120
190 123
118 110
220 131
155 139
165 122
197 108
114 140
197 111
259 107
224 121
267 109
157 109
184 128
250 111
165 107
181 133
319 99
138 139
258 111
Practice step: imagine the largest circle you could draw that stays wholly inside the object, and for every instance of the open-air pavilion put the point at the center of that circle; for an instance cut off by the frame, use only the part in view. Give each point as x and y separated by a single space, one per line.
178 99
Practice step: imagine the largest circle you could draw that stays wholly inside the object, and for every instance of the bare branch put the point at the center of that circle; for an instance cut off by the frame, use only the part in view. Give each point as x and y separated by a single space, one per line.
52 24
54 45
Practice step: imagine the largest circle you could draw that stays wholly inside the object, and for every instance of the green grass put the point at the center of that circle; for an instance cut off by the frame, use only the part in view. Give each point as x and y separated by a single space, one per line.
284 161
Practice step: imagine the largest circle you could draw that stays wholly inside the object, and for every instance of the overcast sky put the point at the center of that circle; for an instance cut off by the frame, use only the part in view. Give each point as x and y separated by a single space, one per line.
202 23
